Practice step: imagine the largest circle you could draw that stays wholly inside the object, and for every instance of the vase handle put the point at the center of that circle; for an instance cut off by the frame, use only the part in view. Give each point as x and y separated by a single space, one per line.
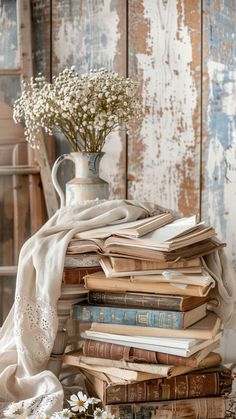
55 182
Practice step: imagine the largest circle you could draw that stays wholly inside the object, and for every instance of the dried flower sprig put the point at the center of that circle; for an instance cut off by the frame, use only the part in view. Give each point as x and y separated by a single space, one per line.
84 108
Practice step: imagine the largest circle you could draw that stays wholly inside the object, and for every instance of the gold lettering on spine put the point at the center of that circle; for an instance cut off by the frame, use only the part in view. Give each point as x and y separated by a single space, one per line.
142 319
85 314
101 316
165 391
161 319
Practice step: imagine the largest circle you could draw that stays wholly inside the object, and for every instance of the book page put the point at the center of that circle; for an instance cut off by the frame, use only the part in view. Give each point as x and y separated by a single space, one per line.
103 232
169 231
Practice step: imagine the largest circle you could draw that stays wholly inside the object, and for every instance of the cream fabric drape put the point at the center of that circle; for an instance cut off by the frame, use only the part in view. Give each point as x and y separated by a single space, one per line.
27 336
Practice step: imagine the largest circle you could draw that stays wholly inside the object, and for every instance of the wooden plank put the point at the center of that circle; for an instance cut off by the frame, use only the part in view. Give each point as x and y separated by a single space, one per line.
19 170
92 34
8 35
10 71
22 221
25 43
8 271
10 131
219 140
41 20
9 89
164 146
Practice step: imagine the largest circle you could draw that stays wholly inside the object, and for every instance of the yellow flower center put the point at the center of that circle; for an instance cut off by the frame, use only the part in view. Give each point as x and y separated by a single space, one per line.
80 402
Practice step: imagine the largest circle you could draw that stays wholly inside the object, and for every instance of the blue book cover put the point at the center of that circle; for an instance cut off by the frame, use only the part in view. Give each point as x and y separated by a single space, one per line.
128 316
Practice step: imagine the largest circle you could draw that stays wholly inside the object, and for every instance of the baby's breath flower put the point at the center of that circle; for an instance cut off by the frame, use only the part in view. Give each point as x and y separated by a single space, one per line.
97 97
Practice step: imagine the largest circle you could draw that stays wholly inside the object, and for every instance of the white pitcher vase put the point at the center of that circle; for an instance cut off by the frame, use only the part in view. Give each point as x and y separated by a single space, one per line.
86 185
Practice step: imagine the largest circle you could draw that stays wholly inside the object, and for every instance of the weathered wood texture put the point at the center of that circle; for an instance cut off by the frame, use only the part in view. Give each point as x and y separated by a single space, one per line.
91 34
164 55
9 57
219 129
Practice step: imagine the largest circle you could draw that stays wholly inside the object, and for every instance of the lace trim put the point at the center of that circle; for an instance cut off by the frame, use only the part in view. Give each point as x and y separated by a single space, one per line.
35 327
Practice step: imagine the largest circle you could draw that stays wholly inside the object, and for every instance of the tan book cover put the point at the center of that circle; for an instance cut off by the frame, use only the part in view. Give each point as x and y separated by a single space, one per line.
202 408
119 264
99 282
204 329
76 358
110 273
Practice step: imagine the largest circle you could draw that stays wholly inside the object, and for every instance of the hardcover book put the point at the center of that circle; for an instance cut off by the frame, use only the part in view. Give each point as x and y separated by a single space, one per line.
119 264
139 317
146 300
116 247
75 275
204 329
213 382
111 273
110 351
207 408
129 370
181 347
99 282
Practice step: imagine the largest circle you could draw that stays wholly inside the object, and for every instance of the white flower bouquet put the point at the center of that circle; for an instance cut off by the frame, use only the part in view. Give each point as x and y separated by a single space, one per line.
84 108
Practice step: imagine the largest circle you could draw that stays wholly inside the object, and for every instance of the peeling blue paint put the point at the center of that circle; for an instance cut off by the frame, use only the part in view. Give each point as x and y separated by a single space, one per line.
221 122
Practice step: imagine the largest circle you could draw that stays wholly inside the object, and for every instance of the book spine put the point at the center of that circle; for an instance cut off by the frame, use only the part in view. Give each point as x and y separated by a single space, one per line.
97 349
126 265
180 387
130 300
76 275
208 408
131 317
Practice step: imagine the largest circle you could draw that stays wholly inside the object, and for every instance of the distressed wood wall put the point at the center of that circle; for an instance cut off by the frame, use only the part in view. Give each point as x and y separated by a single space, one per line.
181 153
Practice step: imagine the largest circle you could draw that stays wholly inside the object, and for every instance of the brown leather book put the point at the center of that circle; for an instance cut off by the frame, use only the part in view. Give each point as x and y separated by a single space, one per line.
120 264
145 300
212 382
76 275
207 408
105 350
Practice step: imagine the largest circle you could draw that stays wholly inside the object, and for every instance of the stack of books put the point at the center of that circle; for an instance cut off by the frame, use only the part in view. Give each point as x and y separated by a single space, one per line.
151 336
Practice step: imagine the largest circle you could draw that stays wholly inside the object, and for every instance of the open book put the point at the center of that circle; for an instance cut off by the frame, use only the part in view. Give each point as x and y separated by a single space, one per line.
136 228
182 238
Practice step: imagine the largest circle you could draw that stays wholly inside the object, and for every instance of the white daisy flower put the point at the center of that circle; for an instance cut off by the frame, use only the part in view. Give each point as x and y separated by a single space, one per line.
15 410
79 402
98 413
